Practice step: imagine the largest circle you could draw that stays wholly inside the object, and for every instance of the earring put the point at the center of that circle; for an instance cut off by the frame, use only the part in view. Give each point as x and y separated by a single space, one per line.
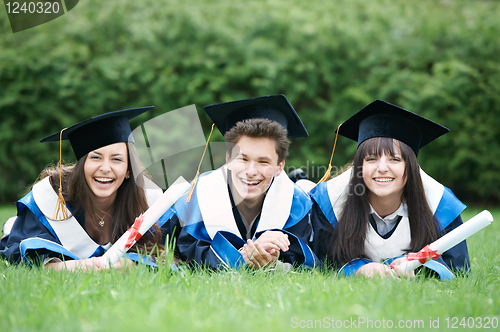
128 176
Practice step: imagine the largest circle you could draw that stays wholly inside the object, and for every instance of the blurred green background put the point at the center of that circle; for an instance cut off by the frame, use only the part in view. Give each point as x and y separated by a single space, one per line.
440 59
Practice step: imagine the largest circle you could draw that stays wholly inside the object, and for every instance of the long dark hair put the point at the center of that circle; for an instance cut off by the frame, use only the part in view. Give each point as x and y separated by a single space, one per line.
347 242
130 200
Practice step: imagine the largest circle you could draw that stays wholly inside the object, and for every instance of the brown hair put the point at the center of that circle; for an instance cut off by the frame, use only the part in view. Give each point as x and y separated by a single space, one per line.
348 239
260 128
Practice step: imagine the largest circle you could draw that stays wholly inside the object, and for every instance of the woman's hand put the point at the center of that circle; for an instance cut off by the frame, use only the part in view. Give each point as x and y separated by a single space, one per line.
371 270
402 274
382 270
91 264
73 265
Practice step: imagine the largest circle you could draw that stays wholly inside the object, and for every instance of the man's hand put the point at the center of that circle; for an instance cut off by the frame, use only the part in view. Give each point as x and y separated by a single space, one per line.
274 240
256 256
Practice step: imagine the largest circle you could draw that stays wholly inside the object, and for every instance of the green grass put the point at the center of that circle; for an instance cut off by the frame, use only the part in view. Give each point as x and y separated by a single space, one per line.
145 300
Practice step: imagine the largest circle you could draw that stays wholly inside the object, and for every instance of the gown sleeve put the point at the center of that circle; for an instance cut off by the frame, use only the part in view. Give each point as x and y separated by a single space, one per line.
197 252
322 230
26 226
456 258
170 230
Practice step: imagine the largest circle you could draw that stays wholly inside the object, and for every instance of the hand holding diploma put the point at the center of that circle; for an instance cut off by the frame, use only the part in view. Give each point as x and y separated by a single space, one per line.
144 222
447 241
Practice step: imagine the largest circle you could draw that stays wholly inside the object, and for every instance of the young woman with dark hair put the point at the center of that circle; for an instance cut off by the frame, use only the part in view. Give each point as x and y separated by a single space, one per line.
102 197
385 205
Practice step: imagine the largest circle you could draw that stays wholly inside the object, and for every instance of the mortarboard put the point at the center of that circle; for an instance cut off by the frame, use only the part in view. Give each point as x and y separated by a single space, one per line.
276 108
382 119
99 131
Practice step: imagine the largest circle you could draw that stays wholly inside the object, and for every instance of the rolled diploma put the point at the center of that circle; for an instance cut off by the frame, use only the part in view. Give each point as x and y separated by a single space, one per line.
155 211
454 237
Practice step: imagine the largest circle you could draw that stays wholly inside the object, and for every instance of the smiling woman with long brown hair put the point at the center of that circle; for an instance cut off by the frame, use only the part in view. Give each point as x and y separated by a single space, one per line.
385 205
99 198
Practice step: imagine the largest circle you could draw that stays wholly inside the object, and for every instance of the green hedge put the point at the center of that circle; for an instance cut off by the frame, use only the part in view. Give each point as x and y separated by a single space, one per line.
330 58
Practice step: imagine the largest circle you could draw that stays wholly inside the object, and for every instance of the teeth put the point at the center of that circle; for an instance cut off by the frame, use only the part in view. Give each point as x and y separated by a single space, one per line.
250 182
383 179
104 179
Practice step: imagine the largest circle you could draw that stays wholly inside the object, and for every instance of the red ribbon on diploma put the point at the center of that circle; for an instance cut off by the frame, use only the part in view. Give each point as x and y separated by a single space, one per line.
424 255
134 232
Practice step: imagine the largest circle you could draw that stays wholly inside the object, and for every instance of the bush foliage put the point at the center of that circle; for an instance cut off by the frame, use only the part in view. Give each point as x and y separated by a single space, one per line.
330 58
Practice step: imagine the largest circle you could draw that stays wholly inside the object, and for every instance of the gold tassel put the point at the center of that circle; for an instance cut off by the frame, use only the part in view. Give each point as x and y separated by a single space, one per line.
195 180
191 189
326 177
61 212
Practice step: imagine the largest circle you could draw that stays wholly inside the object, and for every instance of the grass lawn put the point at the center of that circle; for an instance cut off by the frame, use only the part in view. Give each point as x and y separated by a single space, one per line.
145 300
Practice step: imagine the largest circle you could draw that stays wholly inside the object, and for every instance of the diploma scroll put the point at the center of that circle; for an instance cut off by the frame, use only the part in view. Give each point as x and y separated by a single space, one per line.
447 241
144 222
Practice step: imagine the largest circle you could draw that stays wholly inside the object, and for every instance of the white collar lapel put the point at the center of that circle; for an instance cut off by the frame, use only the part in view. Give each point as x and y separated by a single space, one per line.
337 191
433 190
277 204
215 204
70 233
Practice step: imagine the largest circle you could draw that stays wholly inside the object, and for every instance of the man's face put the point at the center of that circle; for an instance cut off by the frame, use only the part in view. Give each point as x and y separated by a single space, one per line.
253 165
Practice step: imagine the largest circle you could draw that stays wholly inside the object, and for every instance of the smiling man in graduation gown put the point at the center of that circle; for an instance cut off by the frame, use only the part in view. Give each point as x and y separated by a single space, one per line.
248 211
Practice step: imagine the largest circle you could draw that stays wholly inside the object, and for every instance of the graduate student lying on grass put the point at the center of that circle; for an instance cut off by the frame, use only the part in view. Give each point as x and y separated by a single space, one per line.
385 205
103 198
248 211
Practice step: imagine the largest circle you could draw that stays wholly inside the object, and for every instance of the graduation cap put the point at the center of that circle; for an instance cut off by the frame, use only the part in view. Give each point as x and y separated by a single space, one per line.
99 131
382 119
275 108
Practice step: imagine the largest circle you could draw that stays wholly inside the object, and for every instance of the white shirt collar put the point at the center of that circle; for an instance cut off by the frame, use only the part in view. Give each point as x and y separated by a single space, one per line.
248 226
385 225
